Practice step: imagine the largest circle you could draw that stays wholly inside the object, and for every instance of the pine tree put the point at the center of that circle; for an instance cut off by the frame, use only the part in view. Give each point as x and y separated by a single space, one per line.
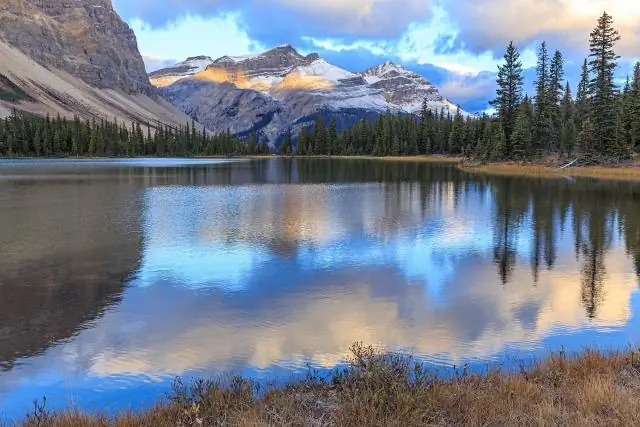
588 142
332 137
251 145
541 105
621 144
582 96
568 141
522 136
555 90
320 136
285 148
634 108
508 95
37 143
457 133
498 145
567 108
602 88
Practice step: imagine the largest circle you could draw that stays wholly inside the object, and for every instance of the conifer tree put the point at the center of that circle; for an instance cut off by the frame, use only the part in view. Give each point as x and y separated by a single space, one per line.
582 96
555 91
522 133
567 108
542 84
588 142
508 96
634 108
285 148
568 140
602 89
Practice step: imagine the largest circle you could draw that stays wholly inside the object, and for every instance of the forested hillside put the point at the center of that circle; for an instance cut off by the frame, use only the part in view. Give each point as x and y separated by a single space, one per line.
600 125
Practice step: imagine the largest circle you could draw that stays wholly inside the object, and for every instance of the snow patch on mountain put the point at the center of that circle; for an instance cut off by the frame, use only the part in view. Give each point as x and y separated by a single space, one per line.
322 68
281 88
189 67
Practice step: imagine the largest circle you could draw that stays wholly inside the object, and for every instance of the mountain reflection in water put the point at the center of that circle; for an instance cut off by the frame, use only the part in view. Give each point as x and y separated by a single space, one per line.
118 277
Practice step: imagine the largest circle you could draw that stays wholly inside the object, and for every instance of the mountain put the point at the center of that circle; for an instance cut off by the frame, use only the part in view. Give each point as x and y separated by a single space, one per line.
405 88
186 68
280 89
73 57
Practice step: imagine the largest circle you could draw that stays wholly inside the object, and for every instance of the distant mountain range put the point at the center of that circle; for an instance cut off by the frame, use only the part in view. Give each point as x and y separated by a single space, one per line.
281 89
79 58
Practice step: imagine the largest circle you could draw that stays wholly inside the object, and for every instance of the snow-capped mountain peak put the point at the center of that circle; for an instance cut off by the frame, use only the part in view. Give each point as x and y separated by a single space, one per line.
189 67
384 68
281 88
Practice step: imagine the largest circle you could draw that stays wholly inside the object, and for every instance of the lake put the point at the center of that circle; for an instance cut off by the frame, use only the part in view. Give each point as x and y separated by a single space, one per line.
119 275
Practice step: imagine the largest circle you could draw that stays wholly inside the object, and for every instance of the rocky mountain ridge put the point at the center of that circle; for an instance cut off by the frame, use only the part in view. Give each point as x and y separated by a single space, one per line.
279 89
75 57
87 39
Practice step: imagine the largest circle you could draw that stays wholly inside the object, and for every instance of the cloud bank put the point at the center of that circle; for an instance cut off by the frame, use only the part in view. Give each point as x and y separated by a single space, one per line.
456 43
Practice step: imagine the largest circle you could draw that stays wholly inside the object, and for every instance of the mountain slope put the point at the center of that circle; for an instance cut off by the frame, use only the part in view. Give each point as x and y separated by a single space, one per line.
405 88
186 68
280 89
75 57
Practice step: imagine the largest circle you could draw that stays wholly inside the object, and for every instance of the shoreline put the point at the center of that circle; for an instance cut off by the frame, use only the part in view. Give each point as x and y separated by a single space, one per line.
627 172
377 388
544 168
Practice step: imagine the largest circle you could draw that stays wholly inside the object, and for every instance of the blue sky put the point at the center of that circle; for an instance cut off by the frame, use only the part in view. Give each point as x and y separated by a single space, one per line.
456 44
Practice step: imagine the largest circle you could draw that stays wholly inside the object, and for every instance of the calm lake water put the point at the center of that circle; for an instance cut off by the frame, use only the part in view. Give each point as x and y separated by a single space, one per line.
117 276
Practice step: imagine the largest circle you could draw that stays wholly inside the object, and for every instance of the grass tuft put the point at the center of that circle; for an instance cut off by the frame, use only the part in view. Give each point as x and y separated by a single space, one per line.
389 389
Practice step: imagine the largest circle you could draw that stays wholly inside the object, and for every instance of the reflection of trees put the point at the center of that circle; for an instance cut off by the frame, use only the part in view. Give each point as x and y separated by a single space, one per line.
511 206
629 218
595 240
592 207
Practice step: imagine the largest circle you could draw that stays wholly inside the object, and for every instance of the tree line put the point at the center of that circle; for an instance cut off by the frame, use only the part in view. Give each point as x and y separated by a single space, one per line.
602 123
28 135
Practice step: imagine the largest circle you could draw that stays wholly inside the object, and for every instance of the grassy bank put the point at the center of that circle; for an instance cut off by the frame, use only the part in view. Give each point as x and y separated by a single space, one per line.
551 168
385 389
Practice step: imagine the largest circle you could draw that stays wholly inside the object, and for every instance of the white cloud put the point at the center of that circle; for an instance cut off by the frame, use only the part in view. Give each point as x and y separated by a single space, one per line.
566 24
361 18
424 44
379 48
194 35
152 63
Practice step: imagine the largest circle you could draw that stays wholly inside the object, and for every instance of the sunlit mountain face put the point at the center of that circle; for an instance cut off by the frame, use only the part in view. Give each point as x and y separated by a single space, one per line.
280 90
265 268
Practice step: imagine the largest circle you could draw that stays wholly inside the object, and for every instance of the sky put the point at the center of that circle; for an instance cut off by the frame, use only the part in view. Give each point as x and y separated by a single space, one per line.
457 44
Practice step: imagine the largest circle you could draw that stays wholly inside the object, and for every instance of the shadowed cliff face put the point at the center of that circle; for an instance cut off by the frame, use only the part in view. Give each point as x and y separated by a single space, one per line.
85 38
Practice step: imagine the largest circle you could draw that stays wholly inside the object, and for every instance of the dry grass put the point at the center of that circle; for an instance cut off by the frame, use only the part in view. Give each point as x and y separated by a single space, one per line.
549 168
435 158
382 389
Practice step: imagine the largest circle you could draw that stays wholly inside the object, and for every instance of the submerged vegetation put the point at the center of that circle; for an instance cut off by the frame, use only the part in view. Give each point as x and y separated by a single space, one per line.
600 126
381 388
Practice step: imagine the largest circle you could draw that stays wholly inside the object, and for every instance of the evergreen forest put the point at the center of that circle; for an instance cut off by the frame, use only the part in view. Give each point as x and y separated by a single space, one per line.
600 124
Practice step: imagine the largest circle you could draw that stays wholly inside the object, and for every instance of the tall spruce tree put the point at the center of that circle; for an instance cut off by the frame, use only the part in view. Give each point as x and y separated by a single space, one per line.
542 83
602 89
567 112
508 97
522 137
582 96
588 142
555 90
634 108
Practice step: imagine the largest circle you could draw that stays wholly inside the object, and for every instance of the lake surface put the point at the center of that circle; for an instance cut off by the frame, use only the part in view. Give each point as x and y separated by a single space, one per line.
117 276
